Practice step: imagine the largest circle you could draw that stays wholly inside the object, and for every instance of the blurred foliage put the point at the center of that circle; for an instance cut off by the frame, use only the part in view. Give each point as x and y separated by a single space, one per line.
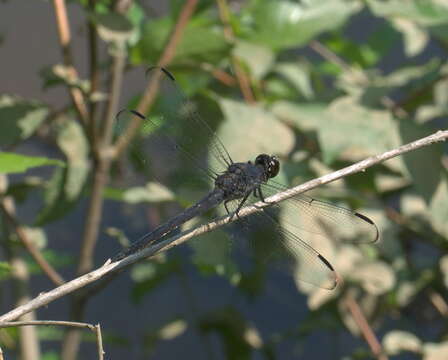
334 81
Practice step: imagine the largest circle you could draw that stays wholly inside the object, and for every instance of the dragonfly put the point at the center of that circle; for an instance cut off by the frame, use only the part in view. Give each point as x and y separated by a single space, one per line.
235 184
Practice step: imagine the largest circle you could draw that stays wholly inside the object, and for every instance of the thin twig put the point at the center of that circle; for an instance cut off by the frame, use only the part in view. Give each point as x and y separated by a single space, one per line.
48 323
46 298
365 328
51 273
150 92
99 341
64 40
94 328
243 80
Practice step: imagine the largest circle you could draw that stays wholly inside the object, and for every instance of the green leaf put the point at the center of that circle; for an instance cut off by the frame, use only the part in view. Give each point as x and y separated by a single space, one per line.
303 116
5 270
16 163
201 42
168 331
65 187
415 38
212 255
299 76
250 130
20 118
151 274
396 341
438 208
61 75
258 58
371 131
239 339
426 173
376 277
152 192
444 269
284 24
113 27
424 12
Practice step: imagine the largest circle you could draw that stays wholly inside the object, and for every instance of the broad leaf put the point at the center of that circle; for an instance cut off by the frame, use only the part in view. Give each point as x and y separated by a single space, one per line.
66 186
283 24
17 163
19 118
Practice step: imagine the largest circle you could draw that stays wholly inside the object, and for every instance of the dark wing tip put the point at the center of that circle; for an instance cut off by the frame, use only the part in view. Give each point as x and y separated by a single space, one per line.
365 218
333 281
369 221
135 112
325 261
165 71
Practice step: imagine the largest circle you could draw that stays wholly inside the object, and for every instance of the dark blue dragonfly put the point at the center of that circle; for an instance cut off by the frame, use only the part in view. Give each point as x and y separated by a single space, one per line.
235 184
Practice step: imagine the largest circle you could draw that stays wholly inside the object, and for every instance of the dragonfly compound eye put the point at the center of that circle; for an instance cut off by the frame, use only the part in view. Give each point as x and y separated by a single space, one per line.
270 164
274 167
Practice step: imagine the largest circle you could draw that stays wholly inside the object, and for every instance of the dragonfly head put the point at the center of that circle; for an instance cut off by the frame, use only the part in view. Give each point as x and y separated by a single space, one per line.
270 164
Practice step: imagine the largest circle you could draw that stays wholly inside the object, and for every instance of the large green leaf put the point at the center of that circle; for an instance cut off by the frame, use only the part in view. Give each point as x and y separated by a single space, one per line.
16 163
113 27
258 58
65 187
283 24
431 14
299 76
200 41
352 131
424 12
438 208
424 164
251 130
304 116
19 118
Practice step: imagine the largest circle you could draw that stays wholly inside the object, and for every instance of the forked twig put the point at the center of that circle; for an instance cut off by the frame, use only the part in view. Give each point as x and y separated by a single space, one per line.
94 328
45 298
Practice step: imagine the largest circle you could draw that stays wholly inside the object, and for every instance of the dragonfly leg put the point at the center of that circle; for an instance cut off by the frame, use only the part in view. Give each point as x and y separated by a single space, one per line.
225 206
240 205
260 194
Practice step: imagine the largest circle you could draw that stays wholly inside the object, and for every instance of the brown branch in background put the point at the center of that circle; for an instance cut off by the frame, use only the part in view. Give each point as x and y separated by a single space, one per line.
82 281
365 328
243 79
94 73
219 74
64 40
101 169
48 270
20 284
150 92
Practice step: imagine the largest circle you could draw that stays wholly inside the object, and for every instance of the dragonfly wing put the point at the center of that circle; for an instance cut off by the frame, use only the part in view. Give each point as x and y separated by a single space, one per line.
319 217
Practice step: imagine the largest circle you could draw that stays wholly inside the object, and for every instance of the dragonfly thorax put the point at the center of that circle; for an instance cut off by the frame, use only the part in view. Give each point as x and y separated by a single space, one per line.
242 178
